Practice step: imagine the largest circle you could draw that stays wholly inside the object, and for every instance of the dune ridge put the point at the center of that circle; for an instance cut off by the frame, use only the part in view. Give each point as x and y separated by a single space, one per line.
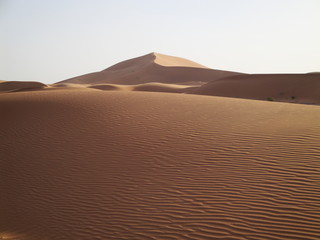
170 61
145 72
295 88
152 58
153 67
95 164
14 86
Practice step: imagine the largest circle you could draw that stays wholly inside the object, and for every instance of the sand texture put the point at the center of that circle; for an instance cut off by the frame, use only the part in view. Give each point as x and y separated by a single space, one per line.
84 163
153 67
295 88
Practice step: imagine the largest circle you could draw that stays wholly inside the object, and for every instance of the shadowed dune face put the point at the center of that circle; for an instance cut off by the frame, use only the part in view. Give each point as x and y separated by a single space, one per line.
297 88
15 86
69 85
105 87
136 165
153 67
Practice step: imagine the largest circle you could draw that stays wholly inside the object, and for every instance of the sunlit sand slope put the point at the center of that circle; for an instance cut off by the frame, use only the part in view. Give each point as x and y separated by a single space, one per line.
95 164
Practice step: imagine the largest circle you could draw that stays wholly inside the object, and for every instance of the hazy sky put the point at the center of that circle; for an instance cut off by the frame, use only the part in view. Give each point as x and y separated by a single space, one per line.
52 40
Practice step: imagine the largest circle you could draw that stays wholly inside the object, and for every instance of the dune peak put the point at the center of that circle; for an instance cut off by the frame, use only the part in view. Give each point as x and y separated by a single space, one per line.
153 67
155 58
171 61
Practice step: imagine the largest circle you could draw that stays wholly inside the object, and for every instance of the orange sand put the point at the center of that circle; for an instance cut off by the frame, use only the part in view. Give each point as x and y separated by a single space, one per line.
89 164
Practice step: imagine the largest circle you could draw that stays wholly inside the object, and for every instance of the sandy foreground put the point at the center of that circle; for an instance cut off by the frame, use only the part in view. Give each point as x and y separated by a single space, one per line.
81 163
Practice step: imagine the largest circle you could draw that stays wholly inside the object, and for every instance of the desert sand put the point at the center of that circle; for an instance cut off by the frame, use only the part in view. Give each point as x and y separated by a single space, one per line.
157 72
110 161
89 164
14 86
153 67
295 88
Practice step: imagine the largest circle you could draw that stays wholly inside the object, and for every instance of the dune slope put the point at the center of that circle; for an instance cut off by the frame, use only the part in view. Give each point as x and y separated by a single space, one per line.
297 88
16 86
94 164
153 67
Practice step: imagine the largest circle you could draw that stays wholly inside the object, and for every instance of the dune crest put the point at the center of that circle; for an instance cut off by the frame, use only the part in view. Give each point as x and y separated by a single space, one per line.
153 67
155 58
14 86
161 87
134 63
294 88
170 61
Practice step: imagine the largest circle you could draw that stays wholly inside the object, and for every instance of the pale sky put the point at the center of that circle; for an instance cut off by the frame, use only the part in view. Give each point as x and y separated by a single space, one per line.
52 40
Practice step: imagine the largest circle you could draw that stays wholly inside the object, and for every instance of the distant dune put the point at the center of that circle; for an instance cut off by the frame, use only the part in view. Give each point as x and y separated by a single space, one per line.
296 88
161 73
14 86
69 85
105 87
81 163
160 87
153 67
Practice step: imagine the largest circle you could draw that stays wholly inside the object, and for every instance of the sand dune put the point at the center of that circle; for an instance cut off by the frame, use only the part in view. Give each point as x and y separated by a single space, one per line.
69 85
170 61
155 72
14 86
153 67
296 88
149 87
160 87
105 87
89 164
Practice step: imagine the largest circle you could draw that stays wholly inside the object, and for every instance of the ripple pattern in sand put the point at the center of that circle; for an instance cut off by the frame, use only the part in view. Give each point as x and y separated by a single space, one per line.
129 165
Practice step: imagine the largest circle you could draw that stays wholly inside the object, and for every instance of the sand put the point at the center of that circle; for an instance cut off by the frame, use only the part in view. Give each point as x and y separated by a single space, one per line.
16 86
146 87
294 88
82 163
125 153
157 72
153 67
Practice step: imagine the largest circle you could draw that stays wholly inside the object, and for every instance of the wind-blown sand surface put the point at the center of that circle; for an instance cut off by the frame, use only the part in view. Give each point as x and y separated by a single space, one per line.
89 164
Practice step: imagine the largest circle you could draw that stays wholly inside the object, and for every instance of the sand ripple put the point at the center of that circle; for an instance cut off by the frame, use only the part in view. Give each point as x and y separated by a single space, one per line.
136 165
